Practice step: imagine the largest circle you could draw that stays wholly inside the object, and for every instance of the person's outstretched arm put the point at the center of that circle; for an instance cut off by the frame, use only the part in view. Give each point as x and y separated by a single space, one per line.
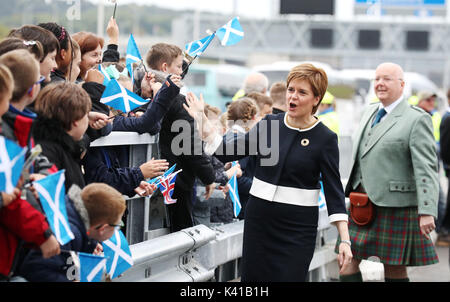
149 122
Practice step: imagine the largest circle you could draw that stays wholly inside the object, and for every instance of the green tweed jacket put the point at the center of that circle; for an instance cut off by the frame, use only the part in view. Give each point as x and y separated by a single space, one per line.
399 166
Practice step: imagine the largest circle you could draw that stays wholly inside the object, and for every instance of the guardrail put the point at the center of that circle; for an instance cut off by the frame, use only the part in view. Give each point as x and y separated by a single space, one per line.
146 216
199 253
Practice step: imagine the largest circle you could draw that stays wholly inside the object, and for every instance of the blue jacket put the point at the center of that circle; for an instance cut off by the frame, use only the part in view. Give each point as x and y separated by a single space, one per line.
150 122
110 165
34 268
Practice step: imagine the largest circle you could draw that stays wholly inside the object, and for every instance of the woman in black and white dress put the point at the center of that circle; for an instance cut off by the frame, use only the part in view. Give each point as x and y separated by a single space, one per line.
293 152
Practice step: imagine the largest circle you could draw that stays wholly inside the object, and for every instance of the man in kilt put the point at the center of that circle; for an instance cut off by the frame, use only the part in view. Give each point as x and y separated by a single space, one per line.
395 164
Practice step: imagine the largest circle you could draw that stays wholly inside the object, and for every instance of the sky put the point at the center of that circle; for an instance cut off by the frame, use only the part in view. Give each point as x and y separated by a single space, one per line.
244 8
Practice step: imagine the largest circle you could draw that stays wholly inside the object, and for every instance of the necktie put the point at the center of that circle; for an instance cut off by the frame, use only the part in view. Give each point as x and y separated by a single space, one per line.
380 114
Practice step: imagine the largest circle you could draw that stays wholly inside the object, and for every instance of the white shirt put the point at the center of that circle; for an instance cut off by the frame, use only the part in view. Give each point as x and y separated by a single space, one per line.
390 107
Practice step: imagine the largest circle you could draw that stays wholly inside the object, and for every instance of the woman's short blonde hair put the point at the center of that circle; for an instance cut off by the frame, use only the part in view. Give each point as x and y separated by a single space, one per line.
316 77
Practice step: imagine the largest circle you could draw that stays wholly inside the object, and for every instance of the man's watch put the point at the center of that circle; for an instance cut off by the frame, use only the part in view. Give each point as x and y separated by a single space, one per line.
347 242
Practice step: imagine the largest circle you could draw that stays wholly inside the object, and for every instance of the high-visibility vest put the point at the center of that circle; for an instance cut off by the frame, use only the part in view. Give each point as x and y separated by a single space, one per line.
331 120
239 94
436 119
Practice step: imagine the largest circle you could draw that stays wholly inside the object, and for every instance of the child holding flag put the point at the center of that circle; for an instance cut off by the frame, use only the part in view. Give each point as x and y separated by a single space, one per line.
94 213
194 163
19 220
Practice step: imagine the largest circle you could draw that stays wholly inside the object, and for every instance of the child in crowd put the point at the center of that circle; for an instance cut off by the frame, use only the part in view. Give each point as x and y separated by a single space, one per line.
242 115
216 208
94 214
66 53
264 103
49 42
75 67
110 164
18 120
62 110
187 155
20 222
34 47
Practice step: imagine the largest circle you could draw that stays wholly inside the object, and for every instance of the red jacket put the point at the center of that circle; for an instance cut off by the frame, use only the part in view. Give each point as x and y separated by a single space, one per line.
19 220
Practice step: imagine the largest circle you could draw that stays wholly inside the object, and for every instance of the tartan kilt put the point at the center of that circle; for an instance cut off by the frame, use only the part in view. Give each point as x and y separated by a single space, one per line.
394 237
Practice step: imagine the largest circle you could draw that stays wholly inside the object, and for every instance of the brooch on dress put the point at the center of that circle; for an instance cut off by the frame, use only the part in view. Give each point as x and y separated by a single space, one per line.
304 142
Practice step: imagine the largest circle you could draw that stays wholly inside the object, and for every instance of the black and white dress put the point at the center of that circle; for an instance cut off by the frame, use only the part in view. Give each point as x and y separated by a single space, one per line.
281 215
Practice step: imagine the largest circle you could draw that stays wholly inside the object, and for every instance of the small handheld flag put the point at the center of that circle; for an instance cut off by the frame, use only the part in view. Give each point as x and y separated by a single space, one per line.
234 194
51 193
196 48
230 33
12 159
167 186
156 179
118 252
120 98
91 267
106 76
322 202
324 221
133 55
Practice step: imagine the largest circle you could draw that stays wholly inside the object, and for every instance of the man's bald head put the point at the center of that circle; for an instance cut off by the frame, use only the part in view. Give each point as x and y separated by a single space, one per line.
256 82
389 82
393 68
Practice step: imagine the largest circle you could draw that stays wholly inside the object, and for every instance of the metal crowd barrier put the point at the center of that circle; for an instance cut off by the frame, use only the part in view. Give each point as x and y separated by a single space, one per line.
146 217
199 253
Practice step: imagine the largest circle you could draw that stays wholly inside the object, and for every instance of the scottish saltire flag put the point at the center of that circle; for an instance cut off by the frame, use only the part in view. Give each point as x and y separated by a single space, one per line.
120 98
12 159
167 186
133 55
118 254
196 48
105 74
322 202
91 267
51 193
157 178
323 221
230 33
234 194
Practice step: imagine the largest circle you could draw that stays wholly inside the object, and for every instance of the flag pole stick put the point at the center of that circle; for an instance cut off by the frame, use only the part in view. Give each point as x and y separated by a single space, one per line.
184 70
143 65
195 57
114 14
109 118
67 251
